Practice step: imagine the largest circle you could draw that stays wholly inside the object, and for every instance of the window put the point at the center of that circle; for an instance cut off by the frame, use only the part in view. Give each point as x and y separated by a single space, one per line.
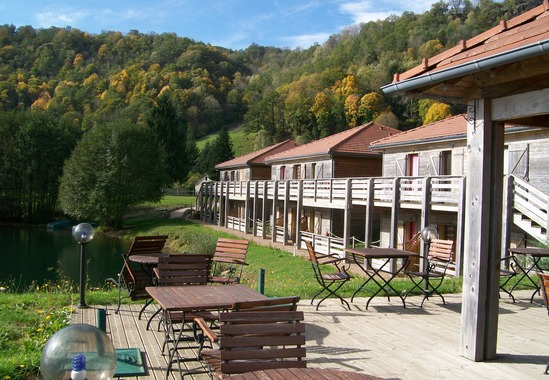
282 173
412 165
445 165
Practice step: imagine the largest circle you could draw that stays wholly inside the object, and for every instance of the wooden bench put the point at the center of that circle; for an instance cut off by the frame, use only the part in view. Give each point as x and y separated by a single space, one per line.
228 260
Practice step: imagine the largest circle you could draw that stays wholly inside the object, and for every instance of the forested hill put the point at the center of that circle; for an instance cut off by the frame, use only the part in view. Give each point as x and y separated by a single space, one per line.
305 94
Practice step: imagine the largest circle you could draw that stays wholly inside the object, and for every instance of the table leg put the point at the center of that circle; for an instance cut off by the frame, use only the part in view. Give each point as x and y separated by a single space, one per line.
526 274
387 283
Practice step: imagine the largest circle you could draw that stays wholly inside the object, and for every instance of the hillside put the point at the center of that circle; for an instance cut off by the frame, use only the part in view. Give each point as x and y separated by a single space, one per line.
304 94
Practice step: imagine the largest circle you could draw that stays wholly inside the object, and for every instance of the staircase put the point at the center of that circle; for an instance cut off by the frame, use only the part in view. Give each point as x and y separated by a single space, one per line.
530 209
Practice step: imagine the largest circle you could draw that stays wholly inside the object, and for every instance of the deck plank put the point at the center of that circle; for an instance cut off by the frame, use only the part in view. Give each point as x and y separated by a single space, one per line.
386 340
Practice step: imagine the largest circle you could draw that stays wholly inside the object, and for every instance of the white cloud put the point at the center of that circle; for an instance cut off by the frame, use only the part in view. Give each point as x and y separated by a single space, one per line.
364 11
306 40
61 17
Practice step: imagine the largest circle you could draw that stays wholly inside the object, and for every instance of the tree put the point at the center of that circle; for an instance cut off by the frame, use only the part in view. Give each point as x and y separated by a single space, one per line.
438 111
34 147
106 174
223 147
171 135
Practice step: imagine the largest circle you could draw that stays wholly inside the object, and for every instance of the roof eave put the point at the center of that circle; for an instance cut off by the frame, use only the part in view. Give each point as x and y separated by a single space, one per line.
420 142
524 52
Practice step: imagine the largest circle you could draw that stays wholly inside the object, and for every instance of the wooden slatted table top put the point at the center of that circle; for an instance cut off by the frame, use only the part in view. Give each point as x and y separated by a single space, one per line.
302 373
540 252
202 297
381 253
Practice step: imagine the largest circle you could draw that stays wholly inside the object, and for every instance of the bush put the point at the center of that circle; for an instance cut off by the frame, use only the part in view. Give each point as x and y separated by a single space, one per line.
194 242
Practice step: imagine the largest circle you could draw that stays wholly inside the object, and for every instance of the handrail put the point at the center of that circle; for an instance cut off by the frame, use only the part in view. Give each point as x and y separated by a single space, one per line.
531 202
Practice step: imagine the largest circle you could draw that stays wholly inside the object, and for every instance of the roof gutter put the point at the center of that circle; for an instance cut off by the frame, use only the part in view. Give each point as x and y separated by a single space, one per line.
518 54
419 142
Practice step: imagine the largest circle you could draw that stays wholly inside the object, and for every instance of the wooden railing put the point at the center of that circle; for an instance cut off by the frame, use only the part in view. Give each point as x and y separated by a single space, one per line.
531 202
324 244
444 191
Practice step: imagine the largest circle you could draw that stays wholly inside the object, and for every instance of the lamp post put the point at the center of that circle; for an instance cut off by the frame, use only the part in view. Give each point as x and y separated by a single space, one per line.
427 234
83 233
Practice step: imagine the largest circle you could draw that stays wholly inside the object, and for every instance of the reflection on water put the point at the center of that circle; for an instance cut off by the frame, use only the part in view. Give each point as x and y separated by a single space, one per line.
33 254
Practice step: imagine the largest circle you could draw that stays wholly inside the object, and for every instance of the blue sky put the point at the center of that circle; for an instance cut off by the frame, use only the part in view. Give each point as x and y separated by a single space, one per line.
232 24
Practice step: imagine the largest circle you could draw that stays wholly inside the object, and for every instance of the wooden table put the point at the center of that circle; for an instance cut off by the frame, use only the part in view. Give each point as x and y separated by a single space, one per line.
193 298
149 259
302 373
537 254
363 258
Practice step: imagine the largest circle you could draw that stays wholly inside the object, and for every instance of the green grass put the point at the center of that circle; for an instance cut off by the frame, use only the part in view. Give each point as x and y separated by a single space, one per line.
28 319
242 142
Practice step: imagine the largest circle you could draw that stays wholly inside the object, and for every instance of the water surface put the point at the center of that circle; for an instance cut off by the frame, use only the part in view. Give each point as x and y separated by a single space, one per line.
30 255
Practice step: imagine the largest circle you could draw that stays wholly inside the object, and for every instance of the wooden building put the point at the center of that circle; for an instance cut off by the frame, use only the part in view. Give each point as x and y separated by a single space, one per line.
502 77
252 166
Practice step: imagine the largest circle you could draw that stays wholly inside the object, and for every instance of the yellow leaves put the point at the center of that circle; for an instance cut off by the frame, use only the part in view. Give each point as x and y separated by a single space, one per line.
438 111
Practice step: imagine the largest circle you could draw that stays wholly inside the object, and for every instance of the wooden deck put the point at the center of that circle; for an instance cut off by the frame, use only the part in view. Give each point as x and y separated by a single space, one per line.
386 340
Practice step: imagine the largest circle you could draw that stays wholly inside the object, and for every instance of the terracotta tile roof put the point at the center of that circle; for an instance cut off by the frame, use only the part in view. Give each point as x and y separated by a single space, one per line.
354 141
257 157
526 29
454 127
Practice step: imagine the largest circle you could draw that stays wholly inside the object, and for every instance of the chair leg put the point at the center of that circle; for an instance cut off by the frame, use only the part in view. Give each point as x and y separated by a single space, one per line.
333 293
147 303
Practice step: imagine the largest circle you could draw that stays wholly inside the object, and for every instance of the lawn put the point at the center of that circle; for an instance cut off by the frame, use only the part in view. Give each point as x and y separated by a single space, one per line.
28 319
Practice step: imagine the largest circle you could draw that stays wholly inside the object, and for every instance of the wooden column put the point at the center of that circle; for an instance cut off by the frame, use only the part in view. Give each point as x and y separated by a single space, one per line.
255 208
273 216
394 213
286 227
347 213
299 211
368 226
483 213
264 209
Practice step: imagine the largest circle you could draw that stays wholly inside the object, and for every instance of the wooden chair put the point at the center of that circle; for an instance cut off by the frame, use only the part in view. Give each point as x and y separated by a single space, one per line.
257 340
429 280
544 289
228 260
329 282
271 304
133 277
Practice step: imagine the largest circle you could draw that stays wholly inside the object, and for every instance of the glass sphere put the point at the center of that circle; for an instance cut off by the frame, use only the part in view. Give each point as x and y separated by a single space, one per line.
428 234
83 233
67 346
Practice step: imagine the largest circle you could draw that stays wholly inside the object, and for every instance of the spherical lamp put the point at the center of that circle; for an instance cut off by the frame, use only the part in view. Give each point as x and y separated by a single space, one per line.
83 233
428 234
77 352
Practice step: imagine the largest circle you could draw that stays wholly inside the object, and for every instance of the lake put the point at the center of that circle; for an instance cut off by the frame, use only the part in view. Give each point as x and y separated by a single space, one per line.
35 254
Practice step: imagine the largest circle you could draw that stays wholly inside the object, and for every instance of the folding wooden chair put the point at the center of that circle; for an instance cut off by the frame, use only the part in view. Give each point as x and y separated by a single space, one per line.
329 282
228 260
134 278
257 340
544 289
429 280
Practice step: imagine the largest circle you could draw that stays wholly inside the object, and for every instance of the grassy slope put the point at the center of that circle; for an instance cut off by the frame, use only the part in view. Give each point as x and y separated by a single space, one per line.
242 142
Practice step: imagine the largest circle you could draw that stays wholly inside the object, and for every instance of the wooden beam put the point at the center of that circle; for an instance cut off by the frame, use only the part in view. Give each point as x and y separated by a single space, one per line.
528 104
479 313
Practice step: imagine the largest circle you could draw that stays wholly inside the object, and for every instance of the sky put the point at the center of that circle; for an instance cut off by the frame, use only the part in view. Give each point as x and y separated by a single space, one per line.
233 24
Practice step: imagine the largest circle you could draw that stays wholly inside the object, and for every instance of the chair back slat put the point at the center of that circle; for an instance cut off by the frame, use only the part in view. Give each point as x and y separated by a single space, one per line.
544 289
270 304
143 245
183 269
228 260
258 340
